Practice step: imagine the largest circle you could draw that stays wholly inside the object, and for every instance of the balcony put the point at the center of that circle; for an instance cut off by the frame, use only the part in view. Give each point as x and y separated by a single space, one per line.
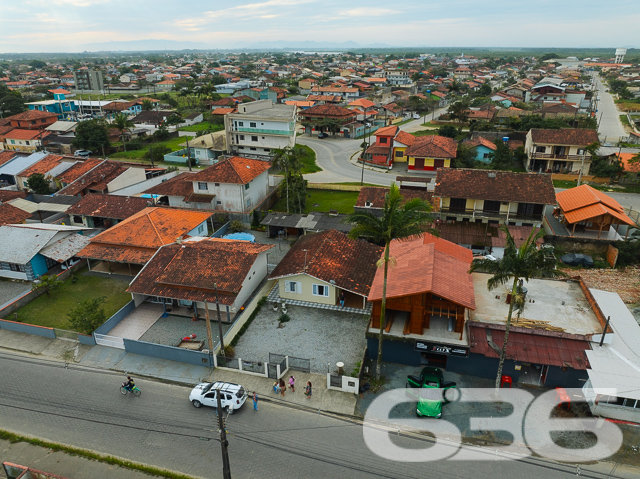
263 131
492 215
551 156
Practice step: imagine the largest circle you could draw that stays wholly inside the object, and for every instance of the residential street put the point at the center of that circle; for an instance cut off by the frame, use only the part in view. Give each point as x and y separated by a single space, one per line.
83 407
610 128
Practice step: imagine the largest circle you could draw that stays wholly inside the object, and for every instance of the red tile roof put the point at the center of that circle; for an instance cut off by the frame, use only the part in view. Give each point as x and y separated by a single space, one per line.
20 134
7 195
329 111
32 115
136 239
6 155
108 206
9 214
495 185
481 141
530 347
584 202
405 138
433 147
332 256
225 263
236 170
428 264
43 166
79 169
387 131
566 136
180 185
95 179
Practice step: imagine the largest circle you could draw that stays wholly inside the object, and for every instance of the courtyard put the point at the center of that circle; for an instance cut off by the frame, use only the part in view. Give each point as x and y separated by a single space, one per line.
323 336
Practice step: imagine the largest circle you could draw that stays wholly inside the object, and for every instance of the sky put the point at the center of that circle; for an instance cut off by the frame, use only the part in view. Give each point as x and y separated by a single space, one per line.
28 26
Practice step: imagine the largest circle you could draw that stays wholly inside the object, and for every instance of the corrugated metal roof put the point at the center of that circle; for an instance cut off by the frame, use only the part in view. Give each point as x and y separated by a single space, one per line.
66 248
20 163
19 245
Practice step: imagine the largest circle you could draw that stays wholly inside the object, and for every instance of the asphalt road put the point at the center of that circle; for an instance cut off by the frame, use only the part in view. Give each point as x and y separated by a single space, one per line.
84 408
610 128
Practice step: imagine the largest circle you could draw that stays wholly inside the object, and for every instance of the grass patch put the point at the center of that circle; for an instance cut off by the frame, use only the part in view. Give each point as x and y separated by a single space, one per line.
624 120
172 143
203 126
355 183
94 456
324 201
425 132
308 159
628 105
51 311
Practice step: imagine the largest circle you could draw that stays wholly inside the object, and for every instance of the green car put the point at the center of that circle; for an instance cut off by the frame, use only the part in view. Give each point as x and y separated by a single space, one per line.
432 391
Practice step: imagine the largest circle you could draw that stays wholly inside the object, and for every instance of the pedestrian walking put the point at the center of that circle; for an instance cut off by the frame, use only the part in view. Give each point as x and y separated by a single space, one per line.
255 401
292 384
307 390
276 387
342 298
283 387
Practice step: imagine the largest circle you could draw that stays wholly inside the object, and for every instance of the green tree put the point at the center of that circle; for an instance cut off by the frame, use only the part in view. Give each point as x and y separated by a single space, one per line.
605 169
38 184
91 135
156 153
147 105
484 90
465 156
288 160
517 264
502 158
47 283
400 220
10 105
88 315
162 133
174 119
122 123
37 64
458 111
448 131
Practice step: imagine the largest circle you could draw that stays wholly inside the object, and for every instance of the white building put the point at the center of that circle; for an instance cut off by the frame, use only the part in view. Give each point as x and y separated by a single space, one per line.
260 127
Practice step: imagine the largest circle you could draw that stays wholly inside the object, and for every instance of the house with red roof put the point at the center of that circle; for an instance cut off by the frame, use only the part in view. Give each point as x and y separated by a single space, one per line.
364 109
227 273
429 153
105 211
33 120
390 146
320 267
30 141
429 296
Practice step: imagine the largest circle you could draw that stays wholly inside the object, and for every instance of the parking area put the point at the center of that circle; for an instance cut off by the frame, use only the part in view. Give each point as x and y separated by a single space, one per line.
170 329
325 337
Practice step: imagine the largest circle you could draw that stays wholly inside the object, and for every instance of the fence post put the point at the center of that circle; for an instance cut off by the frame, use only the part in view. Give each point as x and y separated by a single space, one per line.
266 370
240 364
286 358
328 380
278 369
215 359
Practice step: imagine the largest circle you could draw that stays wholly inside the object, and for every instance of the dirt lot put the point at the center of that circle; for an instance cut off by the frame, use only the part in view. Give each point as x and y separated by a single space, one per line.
625 282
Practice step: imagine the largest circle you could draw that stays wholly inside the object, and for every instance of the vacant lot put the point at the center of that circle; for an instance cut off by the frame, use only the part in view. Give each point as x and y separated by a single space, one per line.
625 282
51 311
324 201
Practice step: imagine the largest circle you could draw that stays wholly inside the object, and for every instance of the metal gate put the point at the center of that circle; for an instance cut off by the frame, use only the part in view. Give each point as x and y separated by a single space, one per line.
273 371
299 364
111 341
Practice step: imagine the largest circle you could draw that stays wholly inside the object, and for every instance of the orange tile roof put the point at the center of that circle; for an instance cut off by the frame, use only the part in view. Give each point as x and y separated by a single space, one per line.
223 111
225 263
427 264
6 155
627 164
20 134
405 138
32 115
584 202
387 131
9 214
235 170
79 169
363 102
433 147
43 166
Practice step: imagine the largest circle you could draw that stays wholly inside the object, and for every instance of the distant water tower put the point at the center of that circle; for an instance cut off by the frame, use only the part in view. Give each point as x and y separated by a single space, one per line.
620 53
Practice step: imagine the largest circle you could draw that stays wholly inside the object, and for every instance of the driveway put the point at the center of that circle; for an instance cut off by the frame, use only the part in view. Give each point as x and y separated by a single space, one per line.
324 337
9 290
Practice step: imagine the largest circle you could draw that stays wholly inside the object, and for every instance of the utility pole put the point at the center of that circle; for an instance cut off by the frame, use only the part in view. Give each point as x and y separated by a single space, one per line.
581 168
151 155
226 469
209 335
215 285
188 154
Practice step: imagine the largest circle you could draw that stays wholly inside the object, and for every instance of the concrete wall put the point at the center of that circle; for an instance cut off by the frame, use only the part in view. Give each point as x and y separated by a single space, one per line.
306 287
144 185
112 322
616 412
130 177
87 340
27 328
171 353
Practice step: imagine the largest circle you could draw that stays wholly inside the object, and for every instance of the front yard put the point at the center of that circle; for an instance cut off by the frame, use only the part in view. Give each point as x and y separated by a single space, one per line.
324 201
51 311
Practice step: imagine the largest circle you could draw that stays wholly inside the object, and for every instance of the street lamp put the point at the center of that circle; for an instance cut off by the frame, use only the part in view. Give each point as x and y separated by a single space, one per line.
364 141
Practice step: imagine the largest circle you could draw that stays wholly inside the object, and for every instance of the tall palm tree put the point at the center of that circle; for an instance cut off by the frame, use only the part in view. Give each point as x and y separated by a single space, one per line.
517 264
122 123
288 160
400 220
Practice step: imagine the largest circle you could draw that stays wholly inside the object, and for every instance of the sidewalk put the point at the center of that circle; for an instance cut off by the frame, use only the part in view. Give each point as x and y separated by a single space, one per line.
113 359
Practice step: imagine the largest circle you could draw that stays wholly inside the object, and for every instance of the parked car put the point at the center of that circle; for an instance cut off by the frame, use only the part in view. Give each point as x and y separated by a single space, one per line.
232 396
576 259
83 153
416 116
431 391
323 135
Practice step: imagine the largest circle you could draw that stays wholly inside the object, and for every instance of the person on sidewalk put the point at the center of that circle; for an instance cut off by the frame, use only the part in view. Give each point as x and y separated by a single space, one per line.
342 298
276 387
292 384
255 401
307 390
283 387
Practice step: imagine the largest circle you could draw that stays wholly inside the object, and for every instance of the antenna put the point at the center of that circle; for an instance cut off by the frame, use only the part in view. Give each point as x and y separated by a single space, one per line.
305 260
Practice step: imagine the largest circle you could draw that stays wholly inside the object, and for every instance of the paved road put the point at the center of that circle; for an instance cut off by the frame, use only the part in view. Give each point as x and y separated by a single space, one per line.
610 128
83 407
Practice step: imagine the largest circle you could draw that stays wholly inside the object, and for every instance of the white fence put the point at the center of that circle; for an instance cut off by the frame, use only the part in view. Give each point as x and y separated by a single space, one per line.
111 341
345 384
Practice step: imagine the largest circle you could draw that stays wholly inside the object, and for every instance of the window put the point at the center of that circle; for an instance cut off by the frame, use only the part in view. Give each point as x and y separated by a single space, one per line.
267 150
458 205
252 124
248 202
217 184
246 187
293 287
254 138
218 202
242 137
383 141
16 267
320 290
485 155
202 185
399 154
77 219
241 123
491 206
541 149
253 148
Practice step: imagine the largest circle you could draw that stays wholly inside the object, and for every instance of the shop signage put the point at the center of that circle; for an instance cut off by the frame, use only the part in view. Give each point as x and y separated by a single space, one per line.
445 349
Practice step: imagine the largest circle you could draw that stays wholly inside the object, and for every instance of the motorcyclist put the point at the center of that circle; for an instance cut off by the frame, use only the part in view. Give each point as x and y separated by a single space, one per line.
129 384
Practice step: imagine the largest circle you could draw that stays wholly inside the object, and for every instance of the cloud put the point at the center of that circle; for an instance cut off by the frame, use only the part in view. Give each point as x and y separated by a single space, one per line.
369 12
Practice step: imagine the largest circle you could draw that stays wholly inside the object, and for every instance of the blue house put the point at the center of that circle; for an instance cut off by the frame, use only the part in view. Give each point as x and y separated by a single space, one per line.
28 251
483 147
59 105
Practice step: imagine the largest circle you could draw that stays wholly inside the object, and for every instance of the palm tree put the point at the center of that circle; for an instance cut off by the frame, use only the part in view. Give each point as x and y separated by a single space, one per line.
122 123
517 264
399 220
288 160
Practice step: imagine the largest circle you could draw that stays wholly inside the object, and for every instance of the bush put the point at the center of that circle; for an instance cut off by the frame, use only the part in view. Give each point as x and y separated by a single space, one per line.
236 226
135 144
284 318
88 315
229 351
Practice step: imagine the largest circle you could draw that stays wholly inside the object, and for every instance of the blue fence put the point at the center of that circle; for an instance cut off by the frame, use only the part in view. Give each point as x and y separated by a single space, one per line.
222 231
27 328
88 340
112 322
171 353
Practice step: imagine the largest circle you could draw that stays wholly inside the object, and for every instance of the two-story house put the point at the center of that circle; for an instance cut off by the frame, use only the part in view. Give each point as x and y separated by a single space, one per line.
390 145
559 151
493 197
397 77
260 127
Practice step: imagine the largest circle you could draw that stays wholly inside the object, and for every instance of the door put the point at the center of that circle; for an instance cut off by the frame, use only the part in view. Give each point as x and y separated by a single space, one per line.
209 399
419 164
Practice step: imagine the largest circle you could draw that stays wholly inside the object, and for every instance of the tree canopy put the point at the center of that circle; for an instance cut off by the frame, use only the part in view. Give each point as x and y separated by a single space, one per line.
91 135
38 184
